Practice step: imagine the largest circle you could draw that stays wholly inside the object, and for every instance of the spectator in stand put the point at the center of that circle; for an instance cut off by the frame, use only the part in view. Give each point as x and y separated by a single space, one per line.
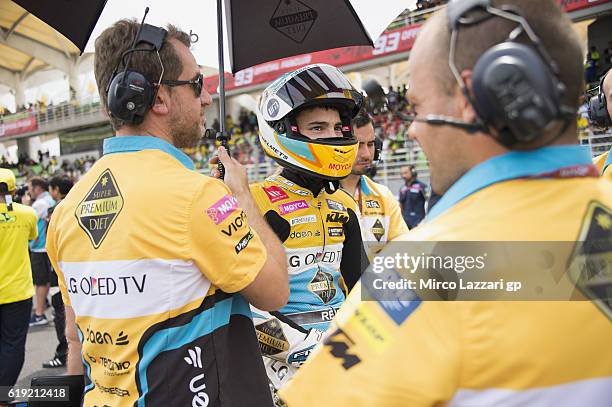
59 186
41 267
594 54
590 70
253 123
17 226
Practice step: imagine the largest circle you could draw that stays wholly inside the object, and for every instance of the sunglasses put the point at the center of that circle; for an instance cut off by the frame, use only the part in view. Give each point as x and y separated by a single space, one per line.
196 83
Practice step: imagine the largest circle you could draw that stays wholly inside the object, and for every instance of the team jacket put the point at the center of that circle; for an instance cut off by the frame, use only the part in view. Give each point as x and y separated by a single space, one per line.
151 255
323 245
413 198
380 216
434 353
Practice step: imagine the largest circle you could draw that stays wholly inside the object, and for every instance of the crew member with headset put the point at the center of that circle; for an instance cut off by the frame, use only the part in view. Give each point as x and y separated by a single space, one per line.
600 114
304 122
379 213
157 263
498 126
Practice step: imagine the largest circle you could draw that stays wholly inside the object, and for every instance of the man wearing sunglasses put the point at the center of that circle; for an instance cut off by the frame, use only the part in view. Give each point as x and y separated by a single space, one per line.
154 260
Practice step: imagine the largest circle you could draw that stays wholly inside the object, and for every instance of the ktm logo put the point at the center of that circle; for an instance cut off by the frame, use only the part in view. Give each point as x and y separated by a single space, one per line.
339 343
336 217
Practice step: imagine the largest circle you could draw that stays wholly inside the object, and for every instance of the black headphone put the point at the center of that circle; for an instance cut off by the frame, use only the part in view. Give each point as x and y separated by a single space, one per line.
378 146
516 89
413 171
598 107
130 94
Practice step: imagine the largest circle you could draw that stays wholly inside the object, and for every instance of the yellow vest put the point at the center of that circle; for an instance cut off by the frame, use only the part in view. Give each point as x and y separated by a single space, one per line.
433 353
16 228
380 216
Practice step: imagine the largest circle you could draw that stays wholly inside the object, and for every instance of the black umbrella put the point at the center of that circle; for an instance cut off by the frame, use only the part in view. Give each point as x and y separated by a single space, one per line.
258 30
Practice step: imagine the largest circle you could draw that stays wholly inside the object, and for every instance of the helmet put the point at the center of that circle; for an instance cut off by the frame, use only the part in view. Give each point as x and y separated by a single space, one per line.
310 86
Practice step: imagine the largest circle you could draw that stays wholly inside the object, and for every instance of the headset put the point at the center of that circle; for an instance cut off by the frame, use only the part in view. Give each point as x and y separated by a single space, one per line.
130 94
515 87
378 146
598 107
413 171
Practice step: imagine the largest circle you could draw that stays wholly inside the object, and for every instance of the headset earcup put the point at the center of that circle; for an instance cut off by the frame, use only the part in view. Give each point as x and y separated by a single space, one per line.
515 92
378 144
130 95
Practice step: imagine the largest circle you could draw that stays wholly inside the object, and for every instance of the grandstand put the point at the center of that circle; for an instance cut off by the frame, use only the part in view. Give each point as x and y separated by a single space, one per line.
41 134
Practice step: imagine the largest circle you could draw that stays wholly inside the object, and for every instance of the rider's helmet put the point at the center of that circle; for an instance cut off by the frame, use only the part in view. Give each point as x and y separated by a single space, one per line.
311 86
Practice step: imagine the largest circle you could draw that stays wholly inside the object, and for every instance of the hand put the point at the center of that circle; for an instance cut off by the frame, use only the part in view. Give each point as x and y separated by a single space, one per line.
235 174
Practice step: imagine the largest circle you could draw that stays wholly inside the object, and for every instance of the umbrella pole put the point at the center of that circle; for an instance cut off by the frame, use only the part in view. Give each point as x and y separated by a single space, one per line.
222 135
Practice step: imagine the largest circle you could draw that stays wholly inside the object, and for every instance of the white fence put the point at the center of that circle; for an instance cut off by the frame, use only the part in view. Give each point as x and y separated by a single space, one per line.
388 172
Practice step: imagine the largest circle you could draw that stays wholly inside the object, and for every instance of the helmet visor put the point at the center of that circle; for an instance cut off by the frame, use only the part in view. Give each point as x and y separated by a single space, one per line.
317 82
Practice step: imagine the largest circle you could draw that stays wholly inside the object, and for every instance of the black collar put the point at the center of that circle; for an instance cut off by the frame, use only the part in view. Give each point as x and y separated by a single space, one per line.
311 183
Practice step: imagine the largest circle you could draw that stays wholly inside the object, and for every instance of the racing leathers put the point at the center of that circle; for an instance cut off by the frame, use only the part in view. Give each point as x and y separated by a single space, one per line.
325 255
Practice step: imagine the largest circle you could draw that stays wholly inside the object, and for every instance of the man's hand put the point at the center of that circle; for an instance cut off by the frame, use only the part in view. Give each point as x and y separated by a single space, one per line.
235 173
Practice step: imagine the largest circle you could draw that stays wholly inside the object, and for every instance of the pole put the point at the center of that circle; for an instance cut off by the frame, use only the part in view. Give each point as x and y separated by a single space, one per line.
222 134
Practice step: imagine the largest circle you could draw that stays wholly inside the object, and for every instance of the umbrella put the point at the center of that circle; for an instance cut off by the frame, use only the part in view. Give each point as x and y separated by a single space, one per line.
256 31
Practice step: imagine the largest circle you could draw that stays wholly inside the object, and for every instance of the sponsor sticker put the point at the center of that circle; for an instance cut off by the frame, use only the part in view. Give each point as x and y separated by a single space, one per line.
335 232
275 194
372 204
378 230
221 209
303 219
271 338
334 206
244 242
322 285
290 207
336 217
97 212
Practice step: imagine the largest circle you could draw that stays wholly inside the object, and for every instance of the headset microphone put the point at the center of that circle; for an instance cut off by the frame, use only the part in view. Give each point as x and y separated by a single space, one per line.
437 120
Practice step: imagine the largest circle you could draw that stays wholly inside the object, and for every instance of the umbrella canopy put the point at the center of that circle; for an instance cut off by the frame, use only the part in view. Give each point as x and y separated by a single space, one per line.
285 27
261 31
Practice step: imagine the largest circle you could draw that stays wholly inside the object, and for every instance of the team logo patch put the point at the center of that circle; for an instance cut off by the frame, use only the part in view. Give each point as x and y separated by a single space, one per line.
378 230
272 339
244 242
335 232
372 204
7 218
293 19
335 206
275 194
589 267
290 207
322 284
303 219
97 212
221 209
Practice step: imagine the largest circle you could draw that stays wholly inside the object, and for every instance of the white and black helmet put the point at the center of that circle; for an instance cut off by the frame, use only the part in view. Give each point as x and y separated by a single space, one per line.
281 101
